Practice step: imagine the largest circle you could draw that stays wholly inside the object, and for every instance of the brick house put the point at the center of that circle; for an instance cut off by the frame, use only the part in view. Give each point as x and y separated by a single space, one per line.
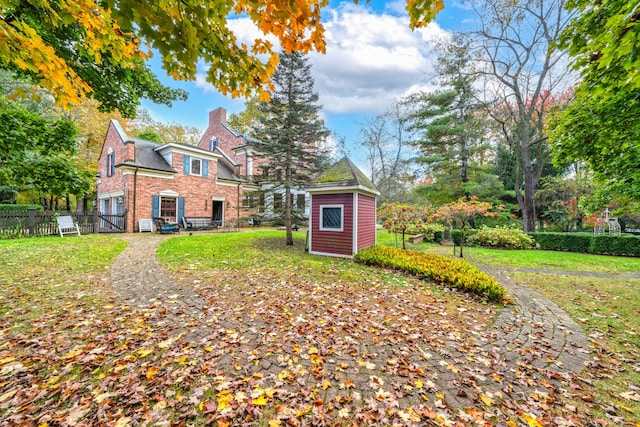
243 152
343 211
172 180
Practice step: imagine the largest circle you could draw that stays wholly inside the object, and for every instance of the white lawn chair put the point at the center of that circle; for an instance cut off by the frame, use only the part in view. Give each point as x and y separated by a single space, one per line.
67 226
145 225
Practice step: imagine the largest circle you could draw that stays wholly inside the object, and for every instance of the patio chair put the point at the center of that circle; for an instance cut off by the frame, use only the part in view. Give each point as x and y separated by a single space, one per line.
164 227
67 226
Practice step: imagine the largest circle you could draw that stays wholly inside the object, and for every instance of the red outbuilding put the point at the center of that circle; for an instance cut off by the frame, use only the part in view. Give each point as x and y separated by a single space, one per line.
343 211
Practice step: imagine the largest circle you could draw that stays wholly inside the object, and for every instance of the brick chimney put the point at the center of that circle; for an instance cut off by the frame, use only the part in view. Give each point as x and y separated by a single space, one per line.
219 115
129 151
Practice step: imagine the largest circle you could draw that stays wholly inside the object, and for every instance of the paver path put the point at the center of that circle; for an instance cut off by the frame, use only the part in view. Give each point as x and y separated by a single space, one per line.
140 281
533 333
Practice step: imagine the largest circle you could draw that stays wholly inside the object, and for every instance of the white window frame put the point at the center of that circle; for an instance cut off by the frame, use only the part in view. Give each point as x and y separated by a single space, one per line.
322 227
191 172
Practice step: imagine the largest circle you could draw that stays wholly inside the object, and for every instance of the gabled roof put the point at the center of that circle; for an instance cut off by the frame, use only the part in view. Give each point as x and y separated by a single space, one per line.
226 173
148 155
342 175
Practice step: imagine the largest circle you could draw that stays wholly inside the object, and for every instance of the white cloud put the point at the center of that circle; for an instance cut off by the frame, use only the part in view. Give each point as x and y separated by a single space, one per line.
371 57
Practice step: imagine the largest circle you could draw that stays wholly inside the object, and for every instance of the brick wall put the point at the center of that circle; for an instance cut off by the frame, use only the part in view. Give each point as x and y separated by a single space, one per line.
227 141
198 191
116 182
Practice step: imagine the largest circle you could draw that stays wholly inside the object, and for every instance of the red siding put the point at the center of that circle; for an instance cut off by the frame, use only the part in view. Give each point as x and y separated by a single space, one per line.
366 221
332 242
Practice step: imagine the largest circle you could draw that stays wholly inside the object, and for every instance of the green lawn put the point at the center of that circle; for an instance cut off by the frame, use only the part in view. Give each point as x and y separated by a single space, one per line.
261 251
549 260
553 260
45 274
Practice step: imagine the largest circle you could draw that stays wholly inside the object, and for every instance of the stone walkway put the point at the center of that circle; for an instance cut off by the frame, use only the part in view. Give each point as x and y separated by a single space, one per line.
533 333
140 281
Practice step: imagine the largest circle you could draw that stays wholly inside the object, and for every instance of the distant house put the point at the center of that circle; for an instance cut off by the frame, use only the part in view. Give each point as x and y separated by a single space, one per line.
220 178
171 181
343 211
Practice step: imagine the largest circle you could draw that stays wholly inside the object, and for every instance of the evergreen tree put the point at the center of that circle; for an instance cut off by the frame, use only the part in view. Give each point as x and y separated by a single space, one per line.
449 123
290 130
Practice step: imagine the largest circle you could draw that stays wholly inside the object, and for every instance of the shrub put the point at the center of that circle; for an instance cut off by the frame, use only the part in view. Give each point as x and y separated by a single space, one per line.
448 271
554 241
502 237
19 208
432 232
624 245
627 245
8 194
455 235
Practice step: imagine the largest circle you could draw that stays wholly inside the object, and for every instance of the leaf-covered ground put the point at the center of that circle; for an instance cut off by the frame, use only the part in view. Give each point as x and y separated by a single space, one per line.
288 339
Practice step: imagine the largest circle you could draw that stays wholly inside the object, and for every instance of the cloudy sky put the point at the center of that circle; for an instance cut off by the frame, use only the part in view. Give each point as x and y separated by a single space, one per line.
371 58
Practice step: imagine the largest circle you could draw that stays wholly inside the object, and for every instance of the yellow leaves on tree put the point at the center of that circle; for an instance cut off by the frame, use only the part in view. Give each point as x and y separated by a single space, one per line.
22 45
184 32
421 12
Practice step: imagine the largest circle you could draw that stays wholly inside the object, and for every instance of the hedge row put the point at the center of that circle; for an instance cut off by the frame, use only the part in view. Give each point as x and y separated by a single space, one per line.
19 208
448 271
623 245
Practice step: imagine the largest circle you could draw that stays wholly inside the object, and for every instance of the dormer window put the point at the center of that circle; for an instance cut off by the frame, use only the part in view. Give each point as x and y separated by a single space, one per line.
213 143
196 166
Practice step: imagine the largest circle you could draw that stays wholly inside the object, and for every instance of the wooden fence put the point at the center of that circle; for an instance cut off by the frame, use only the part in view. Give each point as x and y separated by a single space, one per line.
30 222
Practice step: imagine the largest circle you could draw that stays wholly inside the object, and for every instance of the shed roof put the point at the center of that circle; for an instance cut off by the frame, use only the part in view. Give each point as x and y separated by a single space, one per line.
343 174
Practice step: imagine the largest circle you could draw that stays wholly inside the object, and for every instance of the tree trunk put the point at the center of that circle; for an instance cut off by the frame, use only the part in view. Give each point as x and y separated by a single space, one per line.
527 200
287 215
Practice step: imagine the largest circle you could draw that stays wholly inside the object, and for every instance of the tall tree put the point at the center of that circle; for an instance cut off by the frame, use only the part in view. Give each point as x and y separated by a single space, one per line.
602 123
386 142
291 130
515 39
89 138
450 121
559 200
96 47
36 152
77 49
91 124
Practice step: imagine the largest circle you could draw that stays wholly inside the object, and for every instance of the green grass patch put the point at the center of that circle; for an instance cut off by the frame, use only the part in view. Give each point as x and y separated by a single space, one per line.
534 258
42 275
259 252
552 260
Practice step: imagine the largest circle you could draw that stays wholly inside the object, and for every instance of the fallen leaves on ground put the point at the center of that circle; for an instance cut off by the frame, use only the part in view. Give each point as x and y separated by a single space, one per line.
277 348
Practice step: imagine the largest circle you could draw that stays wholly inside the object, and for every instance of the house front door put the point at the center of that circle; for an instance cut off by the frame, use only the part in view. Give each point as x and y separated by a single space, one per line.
217 216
